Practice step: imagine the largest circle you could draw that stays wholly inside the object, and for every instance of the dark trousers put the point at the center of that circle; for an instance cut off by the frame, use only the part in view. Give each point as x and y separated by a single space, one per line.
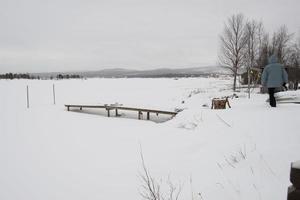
272 98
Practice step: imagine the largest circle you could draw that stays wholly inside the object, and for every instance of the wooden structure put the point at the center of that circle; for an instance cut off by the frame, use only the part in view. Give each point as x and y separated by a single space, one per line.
220 103
116 108
294 190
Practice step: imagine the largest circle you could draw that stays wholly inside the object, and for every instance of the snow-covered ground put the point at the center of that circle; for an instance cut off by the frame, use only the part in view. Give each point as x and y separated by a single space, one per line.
242 153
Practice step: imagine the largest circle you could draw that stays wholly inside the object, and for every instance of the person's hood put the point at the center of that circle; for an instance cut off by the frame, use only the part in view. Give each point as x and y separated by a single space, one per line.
272 59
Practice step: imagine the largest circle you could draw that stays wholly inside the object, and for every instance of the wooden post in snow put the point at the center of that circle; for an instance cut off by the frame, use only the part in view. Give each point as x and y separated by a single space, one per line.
53 91
27 92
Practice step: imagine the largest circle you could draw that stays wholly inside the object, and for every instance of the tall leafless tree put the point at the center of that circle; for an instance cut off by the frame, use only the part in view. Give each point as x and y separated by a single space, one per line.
253 31
297 52
280 44
294 57
233 43
263 49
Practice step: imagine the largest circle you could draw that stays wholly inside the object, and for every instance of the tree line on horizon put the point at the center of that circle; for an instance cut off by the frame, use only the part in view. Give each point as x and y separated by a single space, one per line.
30 76
245 44
18 76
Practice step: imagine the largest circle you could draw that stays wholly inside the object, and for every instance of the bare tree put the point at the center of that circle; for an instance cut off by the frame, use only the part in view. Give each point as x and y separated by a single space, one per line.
294 56
280 44
253 31
297 52
264 46
246 44
233 43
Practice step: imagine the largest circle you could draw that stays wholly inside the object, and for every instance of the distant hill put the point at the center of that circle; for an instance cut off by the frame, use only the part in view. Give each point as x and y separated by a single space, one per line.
155 73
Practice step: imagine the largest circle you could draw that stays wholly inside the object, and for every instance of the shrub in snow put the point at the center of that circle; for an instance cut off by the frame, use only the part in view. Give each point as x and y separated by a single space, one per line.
154 190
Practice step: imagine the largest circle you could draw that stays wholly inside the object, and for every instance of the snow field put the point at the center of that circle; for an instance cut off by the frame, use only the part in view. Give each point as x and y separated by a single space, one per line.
239 153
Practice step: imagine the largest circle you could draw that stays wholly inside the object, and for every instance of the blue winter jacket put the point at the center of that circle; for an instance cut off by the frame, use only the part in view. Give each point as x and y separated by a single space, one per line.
274 75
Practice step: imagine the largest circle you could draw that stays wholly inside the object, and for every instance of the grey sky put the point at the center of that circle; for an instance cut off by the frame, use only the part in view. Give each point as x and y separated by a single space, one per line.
68 35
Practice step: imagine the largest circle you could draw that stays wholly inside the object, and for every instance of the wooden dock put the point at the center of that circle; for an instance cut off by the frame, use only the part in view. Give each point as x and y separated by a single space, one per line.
116 108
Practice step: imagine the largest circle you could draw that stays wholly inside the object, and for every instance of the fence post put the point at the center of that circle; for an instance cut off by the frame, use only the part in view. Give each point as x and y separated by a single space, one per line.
27 92
53 91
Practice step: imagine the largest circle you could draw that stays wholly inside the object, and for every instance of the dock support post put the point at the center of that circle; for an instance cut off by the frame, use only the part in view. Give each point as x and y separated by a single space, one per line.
108 112
148 115
139 114
117 113
68 108
80 108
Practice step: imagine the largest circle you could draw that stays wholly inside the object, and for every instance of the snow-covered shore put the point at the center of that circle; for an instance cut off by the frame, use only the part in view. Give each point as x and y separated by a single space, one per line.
242 153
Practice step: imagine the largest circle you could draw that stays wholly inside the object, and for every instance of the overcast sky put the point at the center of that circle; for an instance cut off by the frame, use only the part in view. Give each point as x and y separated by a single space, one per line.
72 35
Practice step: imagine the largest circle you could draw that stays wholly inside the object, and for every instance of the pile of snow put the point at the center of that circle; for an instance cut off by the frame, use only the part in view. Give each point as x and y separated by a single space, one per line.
288 96
48 153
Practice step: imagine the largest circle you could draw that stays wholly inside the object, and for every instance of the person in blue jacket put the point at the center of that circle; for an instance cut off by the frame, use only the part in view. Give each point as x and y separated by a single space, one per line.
274 76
